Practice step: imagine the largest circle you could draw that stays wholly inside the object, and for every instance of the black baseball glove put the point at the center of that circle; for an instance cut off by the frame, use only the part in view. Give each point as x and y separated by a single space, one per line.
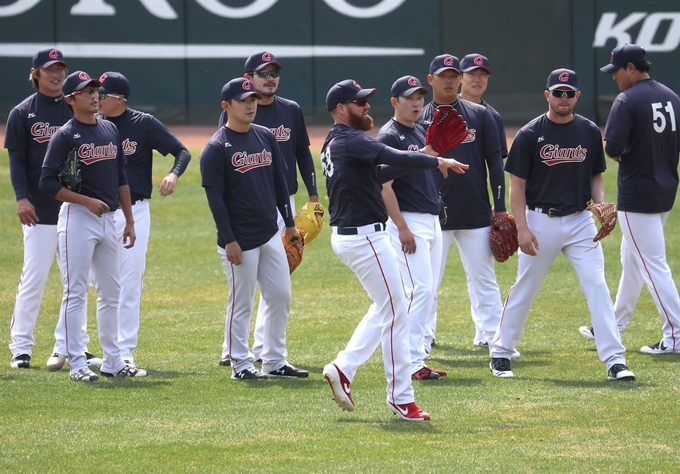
69 174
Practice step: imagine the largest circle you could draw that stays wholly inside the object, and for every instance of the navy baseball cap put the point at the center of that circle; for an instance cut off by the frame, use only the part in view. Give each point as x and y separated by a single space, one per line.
407 85
474 61
114 83
622 55
346 91
77 81
562 78
259 60
239 89
443 62
46 57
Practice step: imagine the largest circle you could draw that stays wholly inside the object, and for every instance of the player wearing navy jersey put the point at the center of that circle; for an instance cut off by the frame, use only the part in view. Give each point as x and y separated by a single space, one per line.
556 163
140 134
350 160
284 118
241 169
86 227
475 71
413 204
466 198
642 136
30 126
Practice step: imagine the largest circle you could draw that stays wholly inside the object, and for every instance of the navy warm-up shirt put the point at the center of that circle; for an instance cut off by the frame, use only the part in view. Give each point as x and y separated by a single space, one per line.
644 122
284 118
558 162
30 126
140 135
416 190
499 125
350 159
102 164
466 196
243 180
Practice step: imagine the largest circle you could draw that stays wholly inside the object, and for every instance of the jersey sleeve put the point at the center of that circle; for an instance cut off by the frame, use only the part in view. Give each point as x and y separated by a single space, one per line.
280 186
15 142
494 161
304 156
161 139
213 172
599 162
520 156
362 147
620 122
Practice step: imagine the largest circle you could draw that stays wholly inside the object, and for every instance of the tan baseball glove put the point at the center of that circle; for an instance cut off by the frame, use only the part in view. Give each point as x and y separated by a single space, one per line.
293 244
605 213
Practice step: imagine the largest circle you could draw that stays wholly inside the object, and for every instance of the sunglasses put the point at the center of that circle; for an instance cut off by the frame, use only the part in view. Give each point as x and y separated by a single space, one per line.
104 96
359 102
273 73
561 94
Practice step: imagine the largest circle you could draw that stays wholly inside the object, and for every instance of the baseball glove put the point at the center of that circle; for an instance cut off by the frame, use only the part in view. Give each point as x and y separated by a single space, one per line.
310 220
446 131
605 212
69 174
293 244
504 241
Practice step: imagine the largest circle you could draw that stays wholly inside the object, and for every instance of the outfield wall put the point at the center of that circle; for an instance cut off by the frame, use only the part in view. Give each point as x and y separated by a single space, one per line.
178 53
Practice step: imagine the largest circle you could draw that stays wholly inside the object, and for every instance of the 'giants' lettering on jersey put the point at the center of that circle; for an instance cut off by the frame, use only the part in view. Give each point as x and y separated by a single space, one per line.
472 134
553 154
89 153
129 148
413 147
42 132
243 161
281 133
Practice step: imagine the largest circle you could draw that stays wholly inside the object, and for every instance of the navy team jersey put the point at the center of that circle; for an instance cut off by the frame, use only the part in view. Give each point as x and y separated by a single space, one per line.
102 164
499 126
558 161
244 184
284 118
30 126
416 190
466 196
644 122
140 135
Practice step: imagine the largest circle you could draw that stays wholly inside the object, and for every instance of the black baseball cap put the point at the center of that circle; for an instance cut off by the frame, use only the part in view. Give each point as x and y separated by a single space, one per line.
114 83
46 57
77 81
622 55
474 61
443 62
562 78
239 89
346 91
407 85
259 60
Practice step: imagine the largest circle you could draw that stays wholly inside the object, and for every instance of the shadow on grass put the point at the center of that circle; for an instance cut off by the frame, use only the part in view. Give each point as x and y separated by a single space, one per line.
598 384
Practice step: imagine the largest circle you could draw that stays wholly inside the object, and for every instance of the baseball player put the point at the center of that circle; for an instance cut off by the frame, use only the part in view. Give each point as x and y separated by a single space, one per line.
413 204
86 228
642 136
556 163
140 134
30 126
241 168
466 198
474 82
350 160
284 118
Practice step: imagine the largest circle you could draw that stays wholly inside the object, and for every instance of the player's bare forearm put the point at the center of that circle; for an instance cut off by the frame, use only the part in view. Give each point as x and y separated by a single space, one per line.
446 164
597 188
95 206
289 230
125 202
518 203
26 212
168 184
234 253
406 237
129 235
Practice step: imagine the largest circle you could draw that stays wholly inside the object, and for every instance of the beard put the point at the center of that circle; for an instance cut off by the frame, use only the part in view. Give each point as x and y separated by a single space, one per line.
360 121
562 112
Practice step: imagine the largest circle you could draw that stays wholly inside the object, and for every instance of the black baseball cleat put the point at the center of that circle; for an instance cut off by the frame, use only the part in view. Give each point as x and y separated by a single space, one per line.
247 374
288 371
225 361
620 372
20 361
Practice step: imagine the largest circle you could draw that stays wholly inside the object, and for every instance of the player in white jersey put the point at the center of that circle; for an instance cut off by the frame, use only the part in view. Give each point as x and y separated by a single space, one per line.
556 163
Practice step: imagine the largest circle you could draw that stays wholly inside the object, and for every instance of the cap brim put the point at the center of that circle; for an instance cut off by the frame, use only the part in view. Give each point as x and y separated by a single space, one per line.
245 95
442 69
91 82
275 63
477 67
366 93
49 63
566 86
609 68
413 90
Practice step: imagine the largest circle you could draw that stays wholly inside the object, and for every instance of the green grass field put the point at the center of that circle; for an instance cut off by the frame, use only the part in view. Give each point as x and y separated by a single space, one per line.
560 414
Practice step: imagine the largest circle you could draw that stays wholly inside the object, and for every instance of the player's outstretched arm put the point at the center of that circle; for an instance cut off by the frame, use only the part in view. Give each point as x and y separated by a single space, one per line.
446 164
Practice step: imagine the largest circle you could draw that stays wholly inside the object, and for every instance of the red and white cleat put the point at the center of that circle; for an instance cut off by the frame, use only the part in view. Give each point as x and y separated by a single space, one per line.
339 386
409 411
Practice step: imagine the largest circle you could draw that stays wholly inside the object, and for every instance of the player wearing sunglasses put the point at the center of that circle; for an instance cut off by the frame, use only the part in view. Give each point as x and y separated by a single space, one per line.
556 163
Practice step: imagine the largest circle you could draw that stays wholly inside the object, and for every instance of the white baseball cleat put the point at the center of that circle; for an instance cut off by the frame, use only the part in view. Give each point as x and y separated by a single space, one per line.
587 332
658 349
56 361
339 386
500 367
